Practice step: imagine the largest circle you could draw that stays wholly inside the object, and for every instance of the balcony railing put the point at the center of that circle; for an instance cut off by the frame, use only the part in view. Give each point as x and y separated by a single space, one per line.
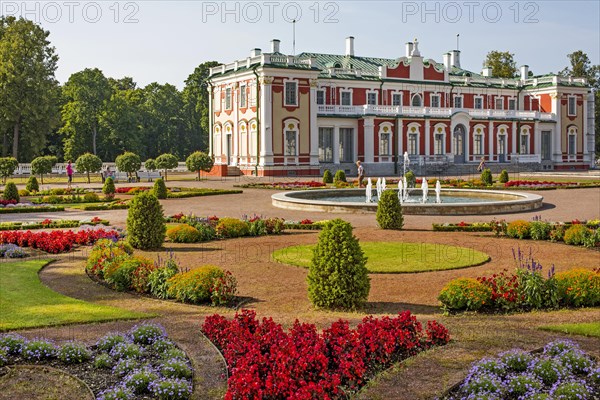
369 109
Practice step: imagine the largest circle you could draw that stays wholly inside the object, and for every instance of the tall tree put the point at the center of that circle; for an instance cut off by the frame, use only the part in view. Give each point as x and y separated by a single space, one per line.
581 67
162 126
28 88
86 94
195 106
502 63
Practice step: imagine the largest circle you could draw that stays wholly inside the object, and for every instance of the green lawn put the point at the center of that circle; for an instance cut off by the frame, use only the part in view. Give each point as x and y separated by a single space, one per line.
396 257
584 328
26 303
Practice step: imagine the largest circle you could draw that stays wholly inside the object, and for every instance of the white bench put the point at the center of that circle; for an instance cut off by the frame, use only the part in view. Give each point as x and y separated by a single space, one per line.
124 177
149 175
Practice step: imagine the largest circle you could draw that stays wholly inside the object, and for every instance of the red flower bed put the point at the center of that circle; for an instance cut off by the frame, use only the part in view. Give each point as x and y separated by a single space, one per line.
538 183
127 189
5 202
56 241
504 287
299 184
264 361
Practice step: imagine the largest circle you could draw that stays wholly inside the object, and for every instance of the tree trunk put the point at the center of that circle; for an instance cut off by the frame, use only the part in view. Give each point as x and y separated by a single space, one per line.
198 175
94 132
15 146
4 144
88 176
42 178
165 174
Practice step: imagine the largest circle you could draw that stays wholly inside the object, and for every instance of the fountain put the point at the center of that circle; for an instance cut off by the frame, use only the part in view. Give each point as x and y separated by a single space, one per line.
424 190
379 190
400 191
383 186
369 191
438 190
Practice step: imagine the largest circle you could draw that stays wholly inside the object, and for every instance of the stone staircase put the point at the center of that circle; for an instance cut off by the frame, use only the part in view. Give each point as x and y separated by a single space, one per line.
233 171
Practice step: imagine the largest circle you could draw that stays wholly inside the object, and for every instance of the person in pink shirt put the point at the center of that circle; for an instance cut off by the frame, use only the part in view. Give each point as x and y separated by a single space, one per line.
69 173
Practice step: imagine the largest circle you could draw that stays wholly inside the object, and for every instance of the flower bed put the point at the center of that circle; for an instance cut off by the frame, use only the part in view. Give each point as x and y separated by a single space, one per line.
180 193
264 361
51 224
463 227
29 208
525 289
89 197
12 251
560 371
106 206
140 364
295 185
305 224
114 264
56 241
131 190
538 184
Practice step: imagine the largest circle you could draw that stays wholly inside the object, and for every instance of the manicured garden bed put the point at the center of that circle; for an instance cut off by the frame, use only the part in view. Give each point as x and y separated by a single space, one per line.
57 241
394 257
51 224
22 208
294 185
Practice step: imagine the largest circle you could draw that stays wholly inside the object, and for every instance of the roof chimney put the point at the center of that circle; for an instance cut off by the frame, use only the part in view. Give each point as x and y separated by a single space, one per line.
350 46
409 49
524 72
486 71
275 45
455 58
415 49
446 58
255 52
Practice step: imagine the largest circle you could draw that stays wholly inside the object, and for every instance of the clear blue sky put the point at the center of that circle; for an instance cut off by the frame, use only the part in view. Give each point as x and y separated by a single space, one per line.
164 41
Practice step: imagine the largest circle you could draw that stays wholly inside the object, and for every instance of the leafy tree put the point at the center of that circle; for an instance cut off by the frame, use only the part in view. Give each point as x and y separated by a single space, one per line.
150 164
162 125
581 67
166 161
199 161
43 165
502 63
29 90
128 162
7 167
88 163
145 222
338 276
86 94
195 106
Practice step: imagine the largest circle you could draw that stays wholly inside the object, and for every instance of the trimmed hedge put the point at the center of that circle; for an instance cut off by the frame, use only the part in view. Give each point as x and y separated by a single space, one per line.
20 210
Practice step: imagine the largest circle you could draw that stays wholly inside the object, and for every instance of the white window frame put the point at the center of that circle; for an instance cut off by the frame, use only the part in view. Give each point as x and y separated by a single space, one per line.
243 96
574 110
322 92
397 95
480 98
524 134
460 98
372 93
323 159
351 157
228 98
217 101
285 93
512 104
293 132
417 133
252 138
572 133
501 98
415 96
342 92
435 96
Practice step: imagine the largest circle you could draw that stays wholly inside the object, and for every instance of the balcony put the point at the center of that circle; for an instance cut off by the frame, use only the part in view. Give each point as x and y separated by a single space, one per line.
401 111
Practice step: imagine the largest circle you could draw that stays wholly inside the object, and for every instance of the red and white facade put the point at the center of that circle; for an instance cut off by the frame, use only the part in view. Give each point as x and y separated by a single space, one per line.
279 115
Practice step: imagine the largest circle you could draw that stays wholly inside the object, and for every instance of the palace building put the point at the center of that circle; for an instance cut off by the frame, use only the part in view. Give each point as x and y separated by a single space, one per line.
281 115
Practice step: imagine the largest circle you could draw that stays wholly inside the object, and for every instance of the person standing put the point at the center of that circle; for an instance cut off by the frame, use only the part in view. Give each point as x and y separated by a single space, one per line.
361 173
69 174
481 164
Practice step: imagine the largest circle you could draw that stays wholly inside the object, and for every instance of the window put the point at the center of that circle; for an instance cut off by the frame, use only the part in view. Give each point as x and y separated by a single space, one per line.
290 143
217 101
253 138
525 143
396 99
384 144
478 103
572 145
291 93
478 144
228 99
372 98
572 106
346 98
413 147
243 96
320 97
458 102
438 144
512 104
326 144
346 145
252 94
416 100
435 100
499 103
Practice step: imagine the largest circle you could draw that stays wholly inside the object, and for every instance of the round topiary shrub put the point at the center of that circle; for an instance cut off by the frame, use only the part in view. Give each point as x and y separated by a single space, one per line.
518 229
338 276
540 230
411 179
11 192
145 222
205 284
160 189
184 233
465 294
576 234
503 176
109 187
32 184
340 176
389 211
486 177
578 287
327 176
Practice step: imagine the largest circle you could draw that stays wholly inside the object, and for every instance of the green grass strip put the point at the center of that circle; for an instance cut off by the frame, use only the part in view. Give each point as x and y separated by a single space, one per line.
396 257
27 303
582 328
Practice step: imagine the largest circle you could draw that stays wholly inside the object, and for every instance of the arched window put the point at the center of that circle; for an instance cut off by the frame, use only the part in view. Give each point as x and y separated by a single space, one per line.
417 101
478 142
572 141
524 145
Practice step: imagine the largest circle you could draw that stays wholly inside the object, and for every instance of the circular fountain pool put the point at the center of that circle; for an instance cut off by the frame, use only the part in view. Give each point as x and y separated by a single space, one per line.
453 201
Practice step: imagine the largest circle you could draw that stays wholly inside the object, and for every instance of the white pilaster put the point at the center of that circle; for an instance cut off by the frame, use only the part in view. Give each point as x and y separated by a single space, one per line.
557 138
336 144
314 129
490 138
537 138
399 129
266 130
235 138
369 124
515 149
210 120
427 137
